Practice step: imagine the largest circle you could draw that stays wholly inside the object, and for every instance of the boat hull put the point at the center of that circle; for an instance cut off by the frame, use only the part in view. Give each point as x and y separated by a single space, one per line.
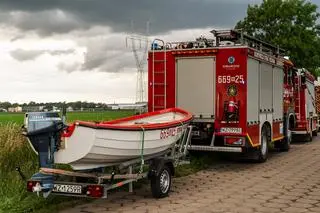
90 148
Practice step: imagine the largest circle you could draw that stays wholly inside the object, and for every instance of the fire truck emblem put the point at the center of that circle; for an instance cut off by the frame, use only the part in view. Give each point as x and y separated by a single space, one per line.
232 90
231 60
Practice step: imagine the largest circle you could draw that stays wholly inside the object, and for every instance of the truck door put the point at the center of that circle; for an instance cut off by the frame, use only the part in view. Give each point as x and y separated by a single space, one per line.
195 85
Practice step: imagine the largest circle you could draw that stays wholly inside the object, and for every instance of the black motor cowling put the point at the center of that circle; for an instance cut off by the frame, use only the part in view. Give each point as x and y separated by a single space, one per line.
43 130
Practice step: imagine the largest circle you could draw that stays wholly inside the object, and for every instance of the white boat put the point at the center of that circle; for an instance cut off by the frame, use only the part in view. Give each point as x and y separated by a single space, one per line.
88 145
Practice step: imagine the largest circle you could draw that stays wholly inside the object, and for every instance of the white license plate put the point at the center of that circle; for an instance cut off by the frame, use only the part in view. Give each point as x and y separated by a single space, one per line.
231 130
64 188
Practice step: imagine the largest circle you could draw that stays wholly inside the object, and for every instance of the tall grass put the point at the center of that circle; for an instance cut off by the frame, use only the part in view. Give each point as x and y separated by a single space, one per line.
15 151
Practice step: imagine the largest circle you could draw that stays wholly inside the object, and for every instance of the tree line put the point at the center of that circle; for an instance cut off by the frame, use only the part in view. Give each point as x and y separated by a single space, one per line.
75 105
291 24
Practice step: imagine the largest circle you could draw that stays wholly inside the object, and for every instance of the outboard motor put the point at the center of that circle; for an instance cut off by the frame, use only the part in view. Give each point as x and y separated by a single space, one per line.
43 129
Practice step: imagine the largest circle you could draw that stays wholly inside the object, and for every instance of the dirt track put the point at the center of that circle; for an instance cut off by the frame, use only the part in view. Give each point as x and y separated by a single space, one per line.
287 182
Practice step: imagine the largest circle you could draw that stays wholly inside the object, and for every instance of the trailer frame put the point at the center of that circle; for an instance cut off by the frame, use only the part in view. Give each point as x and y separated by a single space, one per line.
161 169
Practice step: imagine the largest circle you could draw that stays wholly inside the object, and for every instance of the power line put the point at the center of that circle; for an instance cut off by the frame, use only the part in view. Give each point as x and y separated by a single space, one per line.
139 44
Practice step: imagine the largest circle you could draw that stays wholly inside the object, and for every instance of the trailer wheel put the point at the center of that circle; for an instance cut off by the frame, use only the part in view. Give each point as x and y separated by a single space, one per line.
161 184
262 153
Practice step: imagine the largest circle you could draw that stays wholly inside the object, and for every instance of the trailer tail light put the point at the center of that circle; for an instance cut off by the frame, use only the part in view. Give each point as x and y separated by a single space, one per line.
31 184
95 191
235 141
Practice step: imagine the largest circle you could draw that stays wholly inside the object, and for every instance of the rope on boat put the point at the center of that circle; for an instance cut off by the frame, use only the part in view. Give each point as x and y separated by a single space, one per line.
142 149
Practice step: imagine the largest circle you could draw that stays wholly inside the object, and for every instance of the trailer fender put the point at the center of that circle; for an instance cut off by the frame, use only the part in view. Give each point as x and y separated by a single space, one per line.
157 164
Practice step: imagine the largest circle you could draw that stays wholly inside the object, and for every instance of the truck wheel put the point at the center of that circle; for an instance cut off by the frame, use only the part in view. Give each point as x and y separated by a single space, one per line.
315 133
161 184
262 153
309 137
285 143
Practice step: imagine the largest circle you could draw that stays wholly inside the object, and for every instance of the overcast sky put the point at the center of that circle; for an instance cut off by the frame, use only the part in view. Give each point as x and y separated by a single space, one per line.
69 50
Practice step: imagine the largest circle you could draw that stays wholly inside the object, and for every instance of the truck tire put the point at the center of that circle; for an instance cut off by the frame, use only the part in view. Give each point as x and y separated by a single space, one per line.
262 152
315 133
284 145
308 137
161 184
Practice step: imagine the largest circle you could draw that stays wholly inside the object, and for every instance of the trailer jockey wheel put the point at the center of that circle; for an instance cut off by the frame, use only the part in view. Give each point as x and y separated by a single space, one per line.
161 183
262 152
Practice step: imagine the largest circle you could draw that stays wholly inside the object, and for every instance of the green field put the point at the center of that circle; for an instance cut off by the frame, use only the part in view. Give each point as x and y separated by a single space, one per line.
6 117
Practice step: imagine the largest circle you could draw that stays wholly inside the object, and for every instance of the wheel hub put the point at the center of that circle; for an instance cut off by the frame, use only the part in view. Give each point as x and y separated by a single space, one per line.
164 181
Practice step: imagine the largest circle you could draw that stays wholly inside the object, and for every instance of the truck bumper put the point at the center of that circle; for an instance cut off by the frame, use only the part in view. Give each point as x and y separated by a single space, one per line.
299 132
215 148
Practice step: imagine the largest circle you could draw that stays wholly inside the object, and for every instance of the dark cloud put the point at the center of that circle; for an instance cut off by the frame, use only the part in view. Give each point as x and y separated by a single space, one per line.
18 37
110 61
45 22
107 54
73 18
27 55
60 52
69 67
62 16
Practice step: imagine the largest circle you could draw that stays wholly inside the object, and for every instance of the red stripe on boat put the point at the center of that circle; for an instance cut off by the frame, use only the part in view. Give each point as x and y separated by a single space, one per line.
115 124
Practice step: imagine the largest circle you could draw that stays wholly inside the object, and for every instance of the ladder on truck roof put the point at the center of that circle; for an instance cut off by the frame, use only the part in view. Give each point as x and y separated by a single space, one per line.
312 99
159 72
297 99
239 37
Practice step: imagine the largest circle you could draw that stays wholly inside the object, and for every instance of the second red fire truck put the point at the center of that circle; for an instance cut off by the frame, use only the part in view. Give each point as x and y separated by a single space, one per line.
243 93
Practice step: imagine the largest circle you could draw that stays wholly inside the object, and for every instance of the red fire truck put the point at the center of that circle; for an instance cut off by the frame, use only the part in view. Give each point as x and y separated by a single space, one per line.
241 91
305 106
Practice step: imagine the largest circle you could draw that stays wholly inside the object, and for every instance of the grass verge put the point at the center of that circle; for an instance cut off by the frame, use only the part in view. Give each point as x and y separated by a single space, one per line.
15 151
198 161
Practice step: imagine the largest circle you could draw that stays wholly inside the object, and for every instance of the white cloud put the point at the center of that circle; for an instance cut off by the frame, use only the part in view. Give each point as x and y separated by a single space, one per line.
23 82
68 77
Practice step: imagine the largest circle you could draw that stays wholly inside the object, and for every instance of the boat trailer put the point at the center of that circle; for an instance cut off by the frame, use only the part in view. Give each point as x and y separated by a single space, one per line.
161 168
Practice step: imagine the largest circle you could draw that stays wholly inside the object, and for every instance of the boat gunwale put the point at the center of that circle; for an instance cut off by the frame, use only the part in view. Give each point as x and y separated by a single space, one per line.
137 127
